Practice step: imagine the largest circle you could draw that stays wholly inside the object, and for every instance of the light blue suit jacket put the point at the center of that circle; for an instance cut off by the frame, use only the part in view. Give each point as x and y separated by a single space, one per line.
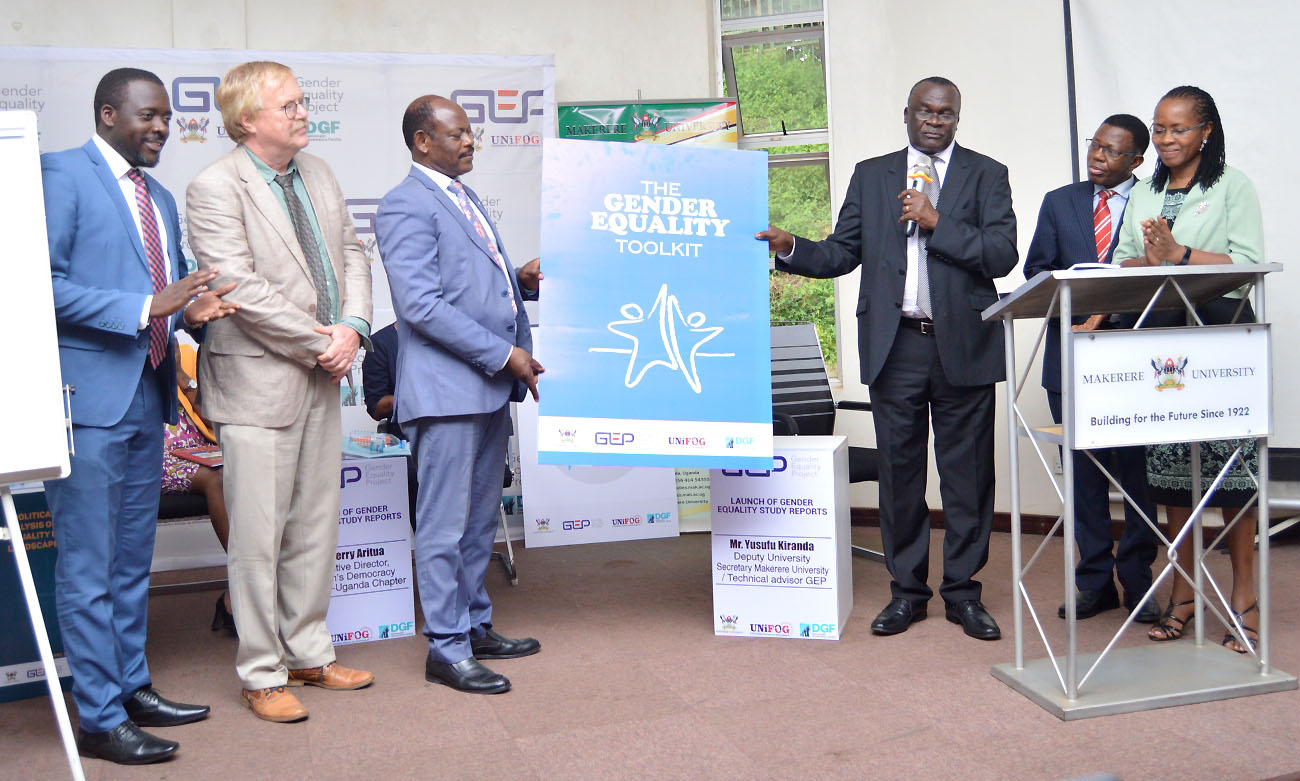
101 278
455 327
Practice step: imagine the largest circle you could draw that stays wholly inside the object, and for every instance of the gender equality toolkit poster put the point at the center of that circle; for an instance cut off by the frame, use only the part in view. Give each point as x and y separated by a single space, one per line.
654 317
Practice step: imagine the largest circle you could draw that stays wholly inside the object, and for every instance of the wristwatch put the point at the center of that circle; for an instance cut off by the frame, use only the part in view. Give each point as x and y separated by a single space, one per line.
1187 257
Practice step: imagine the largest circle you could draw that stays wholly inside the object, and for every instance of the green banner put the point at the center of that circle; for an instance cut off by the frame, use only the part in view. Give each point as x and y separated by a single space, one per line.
709 123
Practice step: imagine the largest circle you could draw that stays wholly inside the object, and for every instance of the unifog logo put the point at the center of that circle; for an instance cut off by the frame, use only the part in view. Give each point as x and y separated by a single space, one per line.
770 629
778 465
355 636
634 520
687 441
614 438
501 106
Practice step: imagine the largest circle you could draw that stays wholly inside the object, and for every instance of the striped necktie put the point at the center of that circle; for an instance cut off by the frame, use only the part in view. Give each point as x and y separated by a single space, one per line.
159 327
462 199
1101 224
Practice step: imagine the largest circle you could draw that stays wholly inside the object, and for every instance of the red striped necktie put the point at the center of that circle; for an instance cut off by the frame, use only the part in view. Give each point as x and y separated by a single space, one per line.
1101 224
159 327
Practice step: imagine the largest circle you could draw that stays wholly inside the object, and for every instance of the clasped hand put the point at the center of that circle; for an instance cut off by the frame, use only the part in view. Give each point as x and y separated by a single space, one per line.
1158 242
342 350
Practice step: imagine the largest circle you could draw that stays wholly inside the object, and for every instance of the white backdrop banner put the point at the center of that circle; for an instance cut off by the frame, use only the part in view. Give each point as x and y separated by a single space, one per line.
1171 385
355 123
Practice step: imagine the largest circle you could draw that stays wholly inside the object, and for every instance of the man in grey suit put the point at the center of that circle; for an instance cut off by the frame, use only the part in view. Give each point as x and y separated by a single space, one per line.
465 354
272 218
926 354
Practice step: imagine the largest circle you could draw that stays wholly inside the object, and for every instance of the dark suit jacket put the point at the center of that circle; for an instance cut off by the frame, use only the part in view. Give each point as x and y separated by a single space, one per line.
379 373
1063 237
100 277
973 244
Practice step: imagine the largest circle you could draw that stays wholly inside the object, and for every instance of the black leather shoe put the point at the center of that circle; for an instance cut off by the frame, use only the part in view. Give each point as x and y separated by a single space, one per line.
1089 603
974 619
148 708
897 616
1149 614
125 744
466 676
495 646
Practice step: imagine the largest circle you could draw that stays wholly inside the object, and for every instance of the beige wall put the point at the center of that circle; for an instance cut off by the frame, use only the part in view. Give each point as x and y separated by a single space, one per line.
1014 109
603 49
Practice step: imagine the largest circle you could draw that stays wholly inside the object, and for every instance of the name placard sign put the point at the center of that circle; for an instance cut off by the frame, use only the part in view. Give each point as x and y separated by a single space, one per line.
1172 385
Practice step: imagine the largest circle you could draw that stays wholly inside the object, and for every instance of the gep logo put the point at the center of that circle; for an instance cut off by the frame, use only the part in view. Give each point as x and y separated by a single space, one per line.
487 105
194 94
778 465
613 438
579 525
349 474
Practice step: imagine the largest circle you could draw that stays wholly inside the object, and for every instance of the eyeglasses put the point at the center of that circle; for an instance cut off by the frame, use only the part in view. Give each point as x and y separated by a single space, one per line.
946 118
1111 154
291 109
1176 132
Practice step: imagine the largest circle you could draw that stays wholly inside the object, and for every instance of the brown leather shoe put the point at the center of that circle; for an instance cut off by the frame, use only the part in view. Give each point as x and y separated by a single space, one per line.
274 704
331 676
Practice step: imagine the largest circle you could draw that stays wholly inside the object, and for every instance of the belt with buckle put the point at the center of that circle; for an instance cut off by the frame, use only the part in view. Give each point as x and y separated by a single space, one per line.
924 326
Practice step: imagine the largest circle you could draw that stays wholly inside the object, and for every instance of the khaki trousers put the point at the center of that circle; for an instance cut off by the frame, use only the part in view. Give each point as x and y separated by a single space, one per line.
282 491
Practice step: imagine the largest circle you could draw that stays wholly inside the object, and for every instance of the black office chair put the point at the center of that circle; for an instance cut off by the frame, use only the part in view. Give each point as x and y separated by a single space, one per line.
802 403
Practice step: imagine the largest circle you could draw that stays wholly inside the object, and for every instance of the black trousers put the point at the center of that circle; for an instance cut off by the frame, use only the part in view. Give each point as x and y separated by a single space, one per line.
1098 562
909 396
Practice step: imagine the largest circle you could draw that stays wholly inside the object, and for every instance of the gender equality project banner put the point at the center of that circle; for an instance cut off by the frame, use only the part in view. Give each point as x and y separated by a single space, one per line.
655 337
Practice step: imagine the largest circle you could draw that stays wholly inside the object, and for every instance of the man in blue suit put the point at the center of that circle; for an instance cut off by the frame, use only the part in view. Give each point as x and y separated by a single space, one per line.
465 354
1079 223
119 280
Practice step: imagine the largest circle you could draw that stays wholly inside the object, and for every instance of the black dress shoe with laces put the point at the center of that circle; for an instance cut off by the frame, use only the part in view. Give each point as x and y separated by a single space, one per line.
148 708
1089 603
897 616
125 744
466 676
496 646
974 619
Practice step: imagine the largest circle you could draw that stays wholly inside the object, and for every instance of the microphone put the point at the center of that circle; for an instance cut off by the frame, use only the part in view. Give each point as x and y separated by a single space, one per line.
921 172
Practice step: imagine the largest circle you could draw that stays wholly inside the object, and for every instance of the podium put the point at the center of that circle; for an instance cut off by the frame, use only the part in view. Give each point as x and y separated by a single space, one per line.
1134 387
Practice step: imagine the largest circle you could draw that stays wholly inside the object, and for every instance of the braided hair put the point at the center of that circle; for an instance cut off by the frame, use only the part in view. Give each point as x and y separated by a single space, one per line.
1213 154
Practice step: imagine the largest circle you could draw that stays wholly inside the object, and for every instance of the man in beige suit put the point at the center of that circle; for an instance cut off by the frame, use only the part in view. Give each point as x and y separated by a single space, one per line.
272 219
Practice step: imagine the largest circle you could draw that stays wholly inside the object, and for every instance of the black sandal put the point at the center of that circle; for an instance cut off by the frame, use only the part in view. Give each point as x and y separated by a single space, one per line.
1246 631
1171 632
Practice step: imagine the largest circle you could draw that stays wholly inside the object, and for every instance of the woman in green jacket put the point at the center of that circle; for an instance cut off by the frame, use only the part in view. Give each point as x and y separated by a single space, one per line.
1195 210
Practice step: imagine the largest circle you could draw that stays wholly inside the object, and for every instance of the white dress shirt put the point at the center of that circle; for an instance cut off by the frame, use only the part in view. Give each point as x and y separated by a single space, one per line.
118 166
914 156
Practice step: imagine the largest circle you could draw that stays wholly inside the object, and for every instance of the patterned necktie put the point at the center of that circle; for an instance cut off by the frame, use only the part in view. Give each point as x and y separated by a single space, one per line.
1101 224
931 191
462 198
159 327
307 241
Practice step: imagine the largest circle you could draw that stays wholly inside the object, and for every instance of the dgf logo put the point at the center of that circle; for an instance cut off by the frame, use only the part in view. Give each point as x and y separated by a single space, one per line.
778 465
490 103
578 525
396 630
349 474
613 438
194 94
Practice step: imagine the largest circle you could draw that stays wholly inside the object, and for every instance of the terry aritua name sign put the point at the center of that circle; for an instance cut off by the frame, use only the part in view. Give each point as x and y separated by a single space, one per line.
1171 385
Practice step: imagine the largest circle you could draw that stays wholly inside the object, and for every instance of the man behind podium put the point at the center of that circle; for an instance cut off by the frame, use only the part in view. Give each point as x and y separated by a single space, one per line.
272 218
926 354
119 279
1079 223
465 355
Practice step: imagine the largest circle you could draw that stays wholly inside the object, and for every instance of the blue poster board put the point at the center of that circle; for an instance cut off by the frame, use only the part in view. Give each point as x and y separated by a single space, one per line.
21 673
654 319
